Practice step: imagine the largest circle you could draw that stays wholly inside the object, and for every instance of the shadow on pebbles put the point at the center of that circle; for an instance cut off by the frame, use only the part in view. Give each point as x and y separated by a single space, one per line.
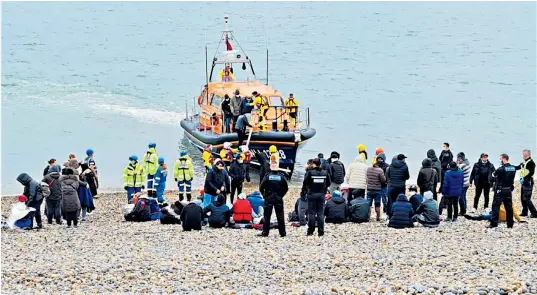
107 255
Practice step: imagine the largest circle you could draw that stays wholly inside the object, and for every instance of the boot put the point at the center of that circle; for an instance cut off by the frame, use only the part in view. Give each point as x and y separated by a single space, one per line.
378 213
188 197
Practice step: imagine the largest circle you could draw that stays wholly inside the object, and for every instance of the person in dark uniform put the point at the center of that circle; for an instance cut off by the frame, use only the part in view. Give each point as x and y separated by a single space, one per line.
273 188
526 180
505 177
316 183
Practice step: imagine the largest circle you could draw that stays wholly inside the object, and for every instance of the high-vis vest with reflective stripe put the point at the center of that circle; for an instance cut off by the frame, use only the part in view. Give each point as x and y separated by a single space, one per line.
524 171
183 171
133 176
151 162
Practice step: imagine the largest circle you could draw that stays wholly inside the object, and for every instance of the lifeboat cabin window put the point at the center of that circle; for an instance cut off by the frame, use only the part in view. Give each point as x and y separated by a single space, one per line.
216 101
276 101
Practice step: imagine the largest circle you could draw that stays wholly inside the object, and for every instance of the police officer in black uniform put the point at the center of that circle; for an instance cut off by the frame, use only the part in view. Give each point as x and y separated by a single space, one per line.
505 177
316 183
273 187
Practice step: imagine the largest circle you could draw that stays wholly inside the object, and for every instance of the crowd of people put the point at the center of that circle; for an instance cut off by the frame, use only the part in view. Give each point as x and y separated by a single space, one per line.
330 191
68 192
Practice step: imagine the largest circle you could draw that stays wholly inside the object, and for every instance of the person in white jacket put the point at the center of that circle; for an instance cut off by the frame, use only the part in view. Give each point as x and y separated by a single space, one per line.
356 178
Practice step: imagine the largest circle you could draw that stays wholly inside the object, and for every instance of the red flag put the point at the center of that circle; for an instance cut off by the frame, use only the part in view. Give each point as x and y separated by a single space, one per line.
228 45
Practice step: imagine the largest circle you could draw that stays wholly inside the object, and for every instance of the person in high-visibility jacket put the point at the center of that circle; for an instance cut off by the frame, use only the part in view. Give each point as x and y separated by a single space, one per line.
226 154
292 104
208 158
274 155
160 182
150 167
183 171
527 172
133 177
378 151
260 103
362 152
226 75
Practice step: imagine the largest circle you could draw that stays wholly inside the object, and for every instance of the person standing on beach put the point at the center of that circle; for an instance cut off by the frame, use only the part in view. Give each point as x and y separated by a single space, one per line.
33 193
53 201
273 188
375 180
236 107
505 178
464 164
381 163
427 177
51 163
237 173
160 182
438 167
527 170
356 177
452 190
481 176
362 152
150 167
397 175
446 157
337 172
183 172
70 200
133 177
89 160
208 159
216 183
316 183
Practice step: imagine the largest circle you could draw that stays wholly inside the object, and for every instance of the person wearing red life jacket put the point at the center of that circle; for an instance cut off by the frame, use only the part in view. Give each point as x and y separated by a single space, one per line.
242 210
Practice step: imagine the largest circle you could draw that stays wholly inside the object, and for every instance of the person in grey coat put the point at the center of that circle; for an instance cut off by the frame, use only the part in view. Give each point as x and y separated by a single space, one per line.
53 201
70 201
236 107
437 166
240 127
427 213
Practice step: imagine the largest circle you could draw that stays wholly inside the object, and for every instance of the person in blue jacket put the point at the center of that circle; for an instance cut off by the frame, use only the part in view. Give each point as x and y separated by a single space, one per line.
401 213
452 190
160 182
257 202
220 213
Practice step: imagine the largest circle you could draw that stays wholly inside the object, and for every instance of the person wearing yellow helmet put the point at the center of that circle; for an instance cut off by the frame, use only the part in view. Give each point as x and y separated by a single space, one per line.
274 155
362 152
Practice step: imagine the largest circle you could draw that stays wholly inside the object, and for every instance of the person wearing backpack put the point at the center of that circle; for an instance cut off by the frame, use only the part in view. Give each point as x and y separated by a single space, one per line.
337 172
53 201
34 192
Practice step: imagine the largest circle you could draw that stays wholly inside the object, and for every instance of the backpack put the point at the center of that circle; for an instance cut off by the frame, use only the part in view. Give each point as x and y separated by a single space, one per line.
44 189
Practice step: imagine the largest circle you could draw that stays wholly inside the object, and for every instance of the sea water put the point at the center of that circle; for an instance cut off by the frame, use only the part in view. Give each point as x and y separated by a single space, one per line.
113 76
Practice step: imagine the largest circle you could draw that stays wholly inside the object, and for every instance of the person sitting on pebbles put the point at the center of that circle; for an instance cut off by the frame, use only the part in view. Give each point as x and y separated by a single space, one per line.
172 214
401 213
427 212
192 216
336 210
242 210
488 215
220 213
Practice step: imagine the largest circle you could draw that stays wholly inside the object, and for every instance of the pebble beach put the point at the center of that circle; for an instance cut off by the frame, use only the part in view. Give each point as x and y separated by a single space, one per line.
108 255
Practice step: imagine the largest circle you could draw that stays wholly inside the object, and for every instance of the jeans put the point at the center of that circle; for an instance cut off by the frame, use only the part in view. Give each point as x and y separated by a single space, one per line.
462 201
227 123
452 207
53 211
36 213
504 196
384 196
525 197
485 187
393 192
374 196
316 212
302 211
208 200
278 207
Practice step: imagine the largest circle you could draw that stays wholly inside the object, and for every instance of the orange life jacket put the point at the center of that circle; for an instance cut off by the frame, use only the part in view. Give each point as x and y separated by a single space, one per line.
242 211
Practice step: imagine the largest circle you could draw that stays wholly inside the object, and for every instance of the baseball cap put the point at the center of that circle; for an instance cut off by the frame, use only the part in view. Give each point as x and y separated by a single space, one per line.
401 157
484 155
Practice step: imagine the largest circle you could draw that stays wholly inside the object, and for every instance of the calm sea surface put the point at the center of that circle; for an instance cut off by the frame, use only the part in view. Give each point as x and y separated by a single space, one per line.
404 76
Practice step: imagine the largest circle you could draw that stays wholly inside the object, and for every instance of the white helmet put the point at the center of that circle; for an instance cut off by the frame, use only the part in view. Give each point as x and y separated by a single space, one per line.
227 145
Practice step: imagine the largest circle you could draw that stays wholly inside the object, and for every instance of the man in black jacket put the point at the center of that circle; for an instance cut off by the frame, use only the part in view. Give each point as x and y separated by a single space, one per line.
316 183
33 192
53 201
336 171
527 168
505 177
397 175
446 157
481 176
273 188
217 182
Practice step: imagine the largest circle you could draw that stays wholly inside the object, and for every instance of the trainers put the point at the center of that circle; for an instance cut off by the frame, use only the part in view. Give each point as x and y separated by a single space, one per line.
83 219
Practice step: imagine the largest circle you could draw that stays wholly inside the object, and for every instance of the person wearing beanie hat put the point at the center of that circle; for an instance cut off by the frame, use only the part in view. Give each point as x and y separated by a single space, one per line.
274 188
183 172
416 199
237 173
89 160
160 182
464 165
362 152
452 190
150 167
378 151
133 177
53 201
375 180
336 210
315 185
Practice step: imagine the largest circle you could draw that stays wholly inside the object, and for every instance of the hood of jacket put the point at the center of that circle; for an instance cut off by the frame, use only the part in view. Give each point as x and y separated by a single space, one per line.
338 200
256 194
397 163
382 156
432 155
428 195
69 179
55 175
427 163
73 163
24 179
401 198
55 168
